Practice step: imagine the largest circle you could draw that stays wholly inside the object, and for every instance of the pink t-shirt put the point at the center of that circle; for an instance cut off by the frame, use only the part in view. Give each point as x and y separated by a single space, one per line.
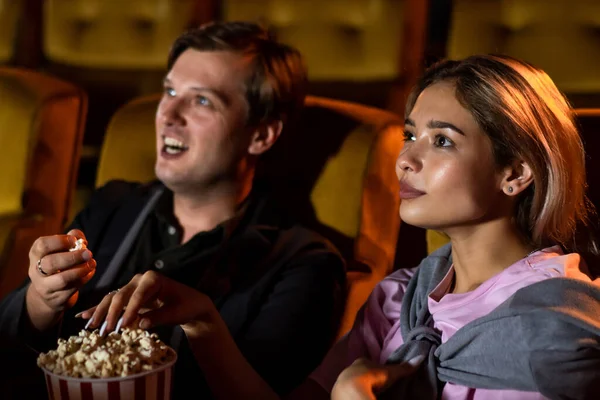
376 333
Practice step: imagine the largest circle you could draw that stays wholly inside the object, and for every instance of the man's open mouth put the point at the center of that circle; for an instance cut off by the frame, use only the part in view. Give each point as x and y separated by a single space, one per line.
173 146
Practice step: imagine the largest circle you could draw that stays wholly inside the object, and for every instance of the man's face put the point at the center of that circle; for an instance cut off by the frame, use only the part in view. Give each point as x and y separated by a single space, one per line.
201 132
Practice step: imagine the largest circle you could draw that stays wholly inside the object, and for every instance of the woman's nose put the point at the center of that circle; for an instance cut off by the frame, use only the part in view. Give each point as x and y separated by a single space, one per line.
409 159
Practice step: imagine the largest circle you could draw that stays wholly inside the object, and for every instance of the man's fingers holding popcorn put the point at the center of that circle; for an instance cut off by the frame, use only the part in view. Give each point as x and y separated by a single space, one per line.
58 262
46 245
78 234
51 254
72 278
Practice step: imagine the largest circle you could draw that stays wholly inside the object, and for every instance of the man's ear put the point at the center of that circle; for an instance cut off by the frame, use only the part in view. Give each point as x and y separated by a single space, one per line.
516 178
264 137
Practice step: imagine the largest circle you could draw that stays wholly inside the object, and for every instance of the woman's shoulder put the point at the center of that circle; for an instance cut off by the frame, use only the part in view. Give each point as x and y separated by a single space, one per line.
400 276
554 262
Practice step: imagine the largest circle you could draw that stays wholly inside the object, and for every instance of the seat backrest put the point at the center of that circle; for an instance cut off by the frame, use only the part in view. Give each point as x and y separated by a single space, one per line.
129 146
560 36
10 11
334 171
589 126
114 34
41 130
344 39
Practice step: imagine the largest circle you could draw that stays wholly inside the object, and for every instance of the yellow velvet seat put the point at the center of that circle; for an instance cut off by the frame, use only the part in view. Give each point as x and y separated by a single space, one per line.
560 36
334 170
114 34
10 11
588 120
41 131
341 39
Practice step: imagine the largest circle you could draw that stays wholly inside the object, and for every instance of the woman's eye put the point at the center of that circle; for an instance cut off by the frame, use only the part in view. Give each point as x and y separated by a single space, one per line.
170 92
443 141
409 137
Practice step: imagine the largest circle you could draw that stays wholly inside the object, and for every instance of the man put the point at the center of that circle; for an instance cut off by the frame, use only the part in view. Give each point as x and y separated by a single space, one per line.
229 91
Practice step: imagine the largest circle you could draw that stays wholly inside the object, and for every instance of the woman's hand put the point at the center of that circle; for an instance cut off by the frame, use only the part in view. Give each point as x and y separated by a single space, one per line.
154 300
364 379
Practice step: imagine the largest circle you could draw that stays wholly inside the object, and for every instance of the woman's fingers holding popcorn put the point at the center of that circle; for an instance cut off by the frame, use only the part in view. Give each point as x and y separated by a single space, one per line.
168 302
98 313
154 298
147 293
87 314
120 300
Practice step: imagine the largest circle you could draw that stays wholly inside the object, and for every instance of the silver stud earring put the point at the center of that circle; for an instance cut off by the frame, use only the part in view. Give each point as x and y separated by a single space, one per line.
510 189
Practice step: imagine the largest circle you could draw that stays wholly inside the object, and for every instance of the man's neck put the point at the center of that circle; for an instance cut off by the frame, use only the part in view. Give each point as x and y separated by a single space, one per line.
479 253
204 210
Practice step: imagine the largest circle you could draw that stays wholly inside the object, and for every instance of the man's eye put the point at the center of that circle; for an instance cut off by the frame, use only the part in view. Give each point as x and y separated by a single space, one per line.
203 101
170 92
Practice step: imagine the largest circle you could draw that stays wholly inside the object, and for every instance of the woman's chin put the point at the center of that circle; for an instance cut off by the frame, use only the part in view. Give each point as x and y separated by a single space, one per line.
414 217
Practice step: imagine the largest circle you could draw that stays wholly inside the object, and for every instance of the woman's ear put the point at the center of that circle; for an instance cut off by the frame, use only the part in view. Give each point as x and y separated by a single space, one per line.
264 137
517 177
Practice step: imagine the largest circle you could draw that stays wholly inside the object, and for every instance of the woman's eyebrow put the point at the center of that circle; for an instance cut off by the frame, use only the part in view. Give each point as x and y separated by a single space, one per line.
434 124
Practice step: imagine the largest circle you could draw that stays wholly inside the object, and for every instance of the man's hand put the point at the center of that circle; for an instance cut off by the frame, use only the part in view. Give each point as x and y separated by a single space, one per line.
364 379
153 299
56 275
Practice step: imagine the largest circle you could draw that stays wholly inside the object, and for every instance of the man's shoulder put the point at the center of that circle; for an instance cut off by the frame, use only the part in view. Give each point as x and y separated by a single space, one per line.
300 247
307 239
275 221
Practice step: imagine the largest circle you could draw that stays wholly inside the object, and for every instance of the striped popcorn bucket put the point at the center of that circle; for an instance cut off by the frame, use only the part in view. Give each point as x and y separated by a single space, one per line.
148 385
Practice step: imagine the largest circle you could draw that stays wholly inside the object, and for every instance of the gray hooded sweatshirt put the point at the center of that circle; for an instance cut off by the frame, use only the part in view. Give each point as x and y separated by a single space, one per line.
545 338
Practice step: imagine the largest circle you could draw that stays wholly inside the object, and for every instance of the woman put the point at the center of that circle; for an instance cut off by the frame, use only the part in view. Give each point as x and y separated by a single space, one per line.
493 159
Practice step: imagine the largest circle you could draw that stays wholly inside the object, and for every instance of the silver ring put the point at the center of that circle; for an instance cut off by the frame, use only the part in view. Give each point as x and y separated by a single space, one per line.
39 268
114 291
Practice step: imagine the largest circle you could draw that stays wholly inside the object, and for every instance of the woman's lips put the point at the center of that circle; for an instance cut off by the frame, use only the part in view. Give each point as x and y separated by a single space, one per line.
409 192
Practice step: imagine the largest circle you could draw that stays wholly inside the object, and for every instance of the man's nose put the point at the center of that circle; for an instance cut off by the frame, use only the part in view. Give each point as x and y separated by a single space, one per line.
171 112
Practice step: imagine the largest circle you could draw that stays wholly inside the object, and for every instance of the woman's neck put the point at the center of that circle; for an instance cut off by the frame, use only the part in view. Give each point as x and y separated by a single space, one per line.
482 251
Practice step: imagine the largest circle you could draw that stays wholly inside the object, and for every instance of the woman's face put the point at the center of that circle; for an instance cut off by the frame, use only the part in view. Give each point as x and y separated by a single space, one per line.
448 177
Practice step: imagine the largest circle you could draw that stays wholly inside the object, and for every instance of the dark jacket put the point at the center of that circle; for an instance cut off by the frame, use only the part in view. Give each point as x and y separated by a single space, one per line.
281 300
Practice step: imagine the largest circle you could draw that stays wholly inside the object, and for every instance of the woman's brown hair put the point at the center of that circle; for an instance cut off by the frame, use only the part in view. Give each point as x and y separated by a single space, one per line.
527 118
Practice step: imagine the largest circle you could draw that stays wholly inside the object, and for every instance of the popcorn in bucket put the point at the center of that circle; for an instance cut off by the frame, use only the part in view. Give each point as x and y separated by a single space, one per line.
129 365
